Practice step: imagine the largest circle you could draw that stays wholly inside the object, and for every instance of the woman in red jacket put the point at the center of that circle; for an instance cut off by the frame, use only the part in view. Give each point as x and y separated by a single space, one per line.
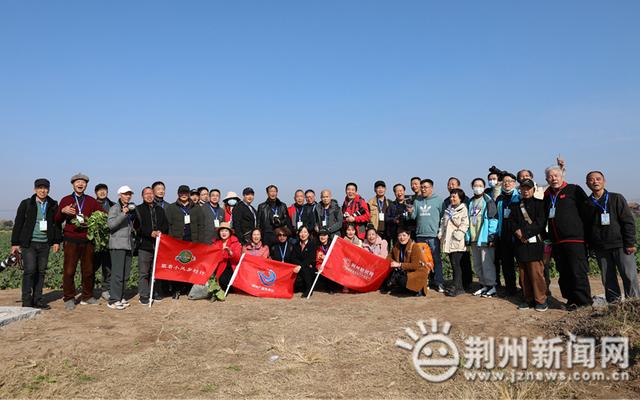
231 252
256 248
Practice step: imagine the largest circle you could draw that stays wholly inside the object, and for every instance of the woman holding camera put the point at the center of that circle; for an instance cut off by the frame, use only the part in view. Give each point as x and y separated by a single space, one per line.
122 217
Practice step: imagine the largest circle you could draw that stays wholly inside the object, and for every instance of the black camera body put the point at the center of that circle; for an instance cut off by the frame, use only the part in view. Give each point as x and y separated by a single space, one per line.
11 261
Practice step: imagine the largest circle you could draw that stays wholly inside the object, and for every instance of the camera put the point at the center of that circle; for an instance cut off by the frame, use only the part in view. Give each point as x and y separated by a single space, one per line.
276 221
131 206
11 261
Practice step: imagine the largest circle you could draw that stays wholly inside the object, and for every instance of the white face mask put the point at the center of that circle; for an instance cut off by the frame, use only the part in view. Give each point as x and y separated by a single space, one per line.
478 190
493 183
232 202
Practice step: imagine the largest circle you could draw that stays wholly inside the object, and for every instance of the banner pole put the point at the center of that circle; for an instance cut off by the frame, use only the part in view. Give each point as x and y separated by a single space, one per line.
235 273
318 272
153 271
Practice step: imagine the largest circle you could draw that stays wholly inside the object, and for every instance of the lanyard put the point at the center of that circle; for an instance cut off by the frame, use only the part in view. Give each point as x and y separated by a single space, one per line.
214 211
326 214
255 218
555 198
299 212
274 210
43 208
324 249
380 205
606 200
282 253
78 204
184 210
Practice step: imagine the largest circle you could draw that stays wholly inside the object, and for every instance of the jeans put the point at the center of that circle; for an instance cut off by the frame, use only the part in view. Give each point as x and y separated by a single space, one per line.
434 245
35 259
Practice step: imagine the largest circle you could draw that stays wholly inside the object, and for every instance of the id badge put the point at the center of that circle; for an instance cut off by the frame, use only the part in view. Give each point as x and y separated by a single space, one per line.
216 223
552 212
507 212
605 219
80 218
324 223
187 219
381 217
532 239
43 226
298 224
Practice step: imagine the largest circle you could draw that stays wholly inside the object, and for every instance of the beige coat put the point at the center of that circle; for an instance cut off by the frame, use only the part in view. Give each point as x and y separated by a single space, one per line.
453 227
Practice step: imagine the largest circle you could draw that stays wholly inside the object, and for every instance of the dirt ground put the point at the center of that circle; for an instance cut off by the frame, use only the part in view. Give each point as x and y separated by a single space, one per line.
332 346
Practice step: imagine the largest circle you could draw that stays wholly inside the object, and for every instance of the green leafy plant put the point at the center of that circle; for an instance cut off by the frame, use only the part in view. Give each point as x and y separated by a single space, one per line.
97 230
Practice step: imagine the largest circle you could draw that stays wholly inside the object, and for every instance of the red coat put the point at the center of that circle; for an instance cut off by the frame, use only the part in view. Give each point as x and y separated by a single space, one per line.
227 214
360 206
236 249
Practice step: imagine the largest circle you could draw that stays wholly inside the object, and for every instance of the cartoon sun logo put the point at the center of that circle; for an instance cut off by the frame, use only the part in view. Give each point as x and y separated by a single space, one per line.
435 356
185 257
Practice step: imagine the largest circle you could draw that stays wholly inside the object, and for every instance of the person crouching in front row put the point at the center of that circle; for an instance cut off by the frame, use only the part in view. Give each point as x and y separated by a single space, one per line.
408 275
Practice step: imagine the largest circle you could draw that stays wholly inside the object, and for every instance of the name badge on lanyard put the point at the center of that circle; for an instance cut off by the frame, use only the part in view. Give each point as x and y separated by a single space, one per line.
187 219
552 212
604 218
507 212
381 217
324 222
298 224
216 223
43 222
43 226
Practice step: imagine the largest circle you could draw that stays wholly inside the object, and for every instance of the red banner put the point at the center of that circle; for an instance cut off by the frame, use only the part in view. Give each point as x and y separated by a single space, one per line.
262 277
182 261
354 267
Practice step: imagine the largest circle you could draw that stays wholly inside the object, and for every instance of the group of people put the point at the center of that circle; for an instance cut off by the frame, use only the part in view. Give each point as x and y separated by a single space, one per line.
507 221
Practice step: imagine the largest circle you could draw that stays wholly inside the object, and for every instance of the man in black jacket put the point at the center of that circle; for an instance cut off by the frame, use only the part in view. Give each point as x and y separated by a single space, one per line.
245 217
611 233
272 214
152 223
210 216
565 207
34 232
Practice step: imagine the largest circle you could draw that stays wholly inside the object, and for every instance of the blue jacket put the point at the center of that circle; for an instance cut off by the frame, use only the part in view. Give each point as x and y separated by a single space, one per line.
515 199
489 222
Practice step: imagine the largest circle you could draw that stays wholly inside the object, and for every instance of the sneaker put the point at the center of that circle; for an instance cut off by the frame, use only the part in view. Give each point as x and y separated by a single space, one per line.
124 303
524 306
116 306
105 295
70 305
144 301
542 307
454 292
89 302
489 293
440 288
42 306
481 291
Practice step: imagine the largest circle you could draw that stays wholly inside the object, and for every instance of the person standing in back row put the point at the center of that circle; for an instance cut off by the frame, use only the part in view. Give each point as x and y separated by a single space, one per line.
102 259
378 206
245 217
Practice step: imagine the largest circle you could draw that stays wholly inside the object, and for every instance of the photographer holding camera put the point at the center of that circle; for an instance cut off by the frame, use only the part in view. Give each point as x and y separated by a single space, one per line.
34 232
272 214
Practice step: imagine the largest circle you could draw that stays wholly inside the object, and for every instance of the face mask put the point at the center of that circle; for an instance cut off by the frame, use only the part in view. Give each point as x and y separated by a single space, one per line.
232 202
505 191
493 183
478 190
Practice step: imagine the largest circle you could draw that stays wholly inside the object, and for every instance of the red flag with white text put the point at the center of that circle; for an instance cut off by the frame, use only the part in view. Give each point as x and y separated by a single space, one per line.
262 277
354 267
182 261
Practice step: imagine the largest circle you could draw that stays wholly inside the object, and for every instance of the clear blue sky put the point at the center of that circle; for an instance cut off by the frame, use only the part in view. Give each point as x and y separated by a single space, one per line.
314 94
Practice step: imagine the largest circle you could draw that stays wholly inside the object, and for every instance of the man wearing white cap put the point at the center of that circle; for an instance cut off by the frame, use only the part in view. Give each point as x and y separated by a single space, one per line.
122 217
74 210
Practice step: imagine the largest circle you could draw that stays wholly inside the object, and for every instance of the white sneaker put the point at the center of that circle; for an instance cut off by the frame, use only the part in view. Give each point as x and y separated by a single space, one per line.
489 293
481 291
124 303
116 306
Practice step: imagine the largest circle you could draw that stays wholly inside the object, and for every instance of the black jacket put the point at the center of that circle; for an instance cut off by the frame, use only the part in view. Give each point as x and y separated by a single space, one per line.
245 218
395 218
305 258
621 231
333 216
151 218
205 222
527 252
267 223
568 224
25 222
276 250
175 219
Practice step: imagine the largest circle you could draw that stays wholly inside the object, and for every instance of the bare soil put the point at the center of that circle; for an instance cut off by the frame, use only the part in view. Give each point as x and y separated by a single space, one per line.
331 346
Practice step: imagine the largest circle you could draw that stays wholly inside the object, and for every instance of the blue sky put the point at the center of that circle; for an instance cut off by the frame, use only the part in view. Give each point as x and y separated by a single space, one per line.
315 94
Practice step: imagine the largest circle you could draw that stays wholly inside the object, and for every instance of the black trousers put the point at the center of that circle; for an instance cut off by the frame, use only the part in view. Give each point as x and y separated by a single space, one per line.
467 274
35 259
102 260
573 267
508 264
455 259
